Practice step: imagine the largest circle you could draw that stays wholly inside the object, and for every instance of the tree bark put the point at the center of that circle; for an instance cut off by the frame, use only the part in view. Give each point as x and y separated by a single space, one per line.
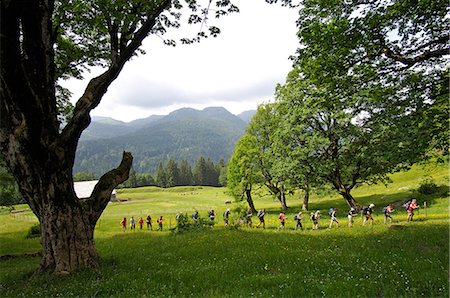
248 195
349 199
306 189
282 199
305 205
67 239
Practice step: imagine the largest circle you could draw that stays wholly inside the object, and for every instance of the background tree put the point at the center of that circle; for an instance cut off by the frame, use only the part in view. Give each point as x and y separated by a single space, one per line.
345 141
243 171
186 177
41 42
262 128
144 179
9 190
83 176
172 174
161 176
222 169
200 172
362 77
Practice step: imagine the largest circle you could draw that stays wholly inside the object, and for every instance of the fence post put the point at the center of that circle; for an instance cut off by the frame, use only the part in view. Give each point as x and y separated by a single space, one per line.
425 208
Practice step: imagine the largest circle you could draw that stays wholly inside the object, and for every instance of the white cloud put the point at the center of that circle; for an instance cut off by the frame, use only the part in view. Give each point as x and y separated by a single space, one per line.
237 70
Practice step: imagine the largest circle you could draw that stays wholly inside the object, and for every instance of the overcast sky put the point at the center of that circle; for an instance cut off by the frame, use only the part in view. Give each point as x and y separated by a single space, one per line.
237 70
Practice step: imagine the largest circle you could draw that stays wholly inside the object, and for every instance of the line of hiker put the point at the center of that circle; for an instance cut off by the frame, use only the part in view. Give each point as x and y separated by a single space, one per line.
148 221
366 213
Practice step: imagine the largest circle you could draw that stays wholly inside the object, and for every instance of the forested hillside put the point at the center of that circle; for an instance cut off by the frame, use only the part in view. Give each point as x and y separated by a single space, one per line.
185 134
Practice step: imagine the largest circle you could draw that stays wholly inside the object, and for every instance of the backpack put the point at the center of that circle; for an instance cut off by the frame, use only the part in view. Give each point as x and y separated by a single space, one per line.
312 216
260 213
330 212
365 210
407 204
385 209
295 217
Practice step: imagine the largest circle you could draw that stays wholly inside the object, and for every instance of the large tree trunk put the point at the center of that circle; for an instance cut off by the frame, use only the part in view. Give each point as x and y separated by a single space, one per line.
305 205
67 223
349 198
248 194
282 199
343 189
67 239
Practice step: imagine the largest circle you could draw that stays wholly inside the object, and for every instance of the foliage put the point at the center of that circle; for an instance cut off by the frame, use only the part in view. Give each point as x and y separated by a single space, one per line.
261 128
427 187
186 224
83 176
34 231
9 190
243 171
392 53
350 109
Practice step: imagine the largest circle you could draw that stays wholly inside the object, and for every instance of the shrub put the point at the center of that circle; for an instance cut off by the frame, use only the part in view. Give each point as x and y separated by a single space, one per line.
186 224
428 187
34 231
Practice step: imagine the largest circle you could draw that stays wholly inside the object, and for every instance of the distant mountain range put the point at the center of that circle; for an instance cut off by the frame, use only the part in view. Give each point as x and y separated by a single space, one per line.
183 134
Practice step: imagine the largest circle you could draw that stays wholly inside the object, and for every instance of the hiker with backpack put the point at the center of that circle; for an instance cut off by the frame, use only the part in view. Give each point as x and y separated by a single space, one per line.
195 216
178 216
298 221
149 222
410 207
160 223
226 216
367 212
351 214
387 211
260 215
248 218
211 216
332 213
315 217
123 223
282 219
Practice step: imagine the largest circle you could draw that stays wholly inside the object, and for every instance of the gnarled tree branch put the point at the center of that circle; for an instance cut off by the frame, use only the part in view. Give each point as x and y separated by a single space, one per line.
101 194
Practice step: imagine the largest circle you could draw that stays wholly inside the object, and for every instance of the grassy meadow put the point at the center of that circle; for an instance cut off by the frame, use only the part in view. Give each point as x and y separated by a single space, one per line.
406 259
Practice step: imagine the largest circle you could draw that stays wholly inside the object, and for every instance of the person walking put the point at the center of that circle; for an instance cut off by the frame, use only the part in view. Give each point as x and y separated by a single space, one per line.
160 223
298 220
410 208
248 217
132 224
333 218
149 222
367 212
351 215
315 217
387 211
282 219
260 215
141 223
226 216
123 223
211 216
195 216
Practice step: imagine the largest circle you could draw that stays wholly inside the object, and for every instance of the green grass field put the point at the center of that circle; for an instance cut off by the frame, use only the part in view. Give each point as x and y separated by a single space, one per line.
409 260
